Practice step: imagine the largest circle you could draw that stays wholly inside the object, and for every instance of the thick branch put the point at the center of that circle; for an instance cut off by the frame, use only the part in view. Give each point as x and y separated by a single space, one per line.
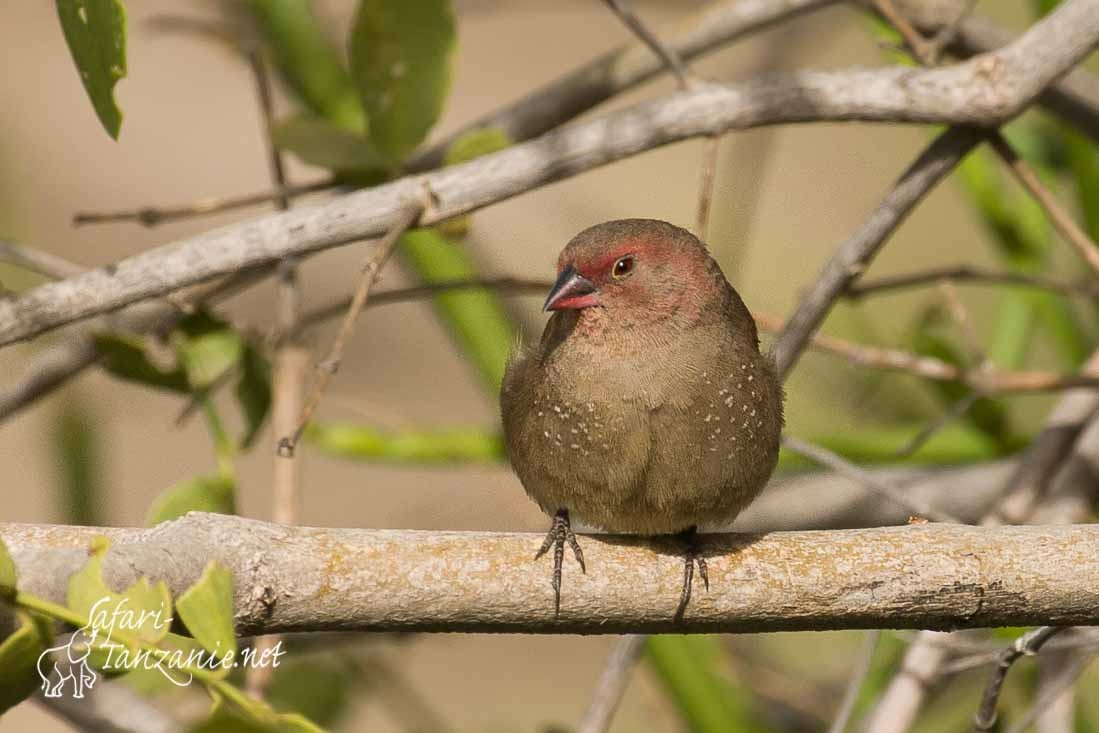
987 90
920 576
1075 97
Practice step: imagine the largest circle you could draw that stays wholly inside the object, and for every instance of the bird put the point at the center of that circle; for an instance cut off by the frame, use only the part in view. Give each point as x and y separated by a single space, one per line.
646 407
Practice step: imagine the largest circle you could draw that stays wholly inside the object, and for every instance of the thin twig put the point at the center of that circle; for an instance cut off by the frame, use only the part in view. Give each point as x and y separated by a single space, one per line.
1026 645
152 216
291 361
958 94
501 285
956 411
854 255
1062 221
1022 171
1052 450
961 317
985 382
667 54
926 367
859 673
1067 679
945 36
842 466
37 260
968 274
711 146
331 363
612 684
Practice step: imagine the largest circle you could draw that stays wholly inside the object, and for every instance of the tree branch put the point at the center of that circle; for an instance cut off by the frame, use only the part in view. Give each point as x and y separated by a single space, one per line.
986 90
920 576
1075 97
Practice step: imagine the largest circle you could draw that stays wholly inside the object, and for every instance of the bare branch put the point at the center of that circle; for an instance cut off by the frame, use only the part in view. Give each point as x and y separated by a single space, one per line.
1026 645
854 255
984 381
152 216
1075 97
667 55
968 274
828 459
612 684
564 99
858 678
1055 448
37 260
711 146
987 90
919 576
1050 697
1061 219
331 363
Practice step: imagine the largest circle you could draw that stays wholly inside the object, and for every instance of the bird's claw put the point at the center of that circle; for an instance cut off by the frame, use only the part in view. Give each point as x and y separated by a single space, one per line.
559 535
691 557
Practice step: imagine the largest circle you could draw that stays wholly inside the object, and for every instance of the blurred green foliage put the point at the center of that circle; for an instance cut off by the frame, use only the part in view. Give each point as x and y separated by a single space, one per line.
79 465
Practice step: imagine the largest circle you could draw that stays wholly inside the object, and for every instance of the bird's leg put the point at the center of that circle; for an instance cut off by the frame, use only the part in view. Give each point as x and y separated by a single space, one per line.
691 556
559 534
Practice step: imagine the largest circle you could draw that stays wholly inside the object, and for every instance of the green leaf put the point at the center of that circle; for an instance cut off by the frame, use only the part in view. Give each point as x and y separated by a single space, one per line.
316 141
475 318
253 392
475 143
308 62
207 348
123 355
215 494
206 609
95 31
148 679
19 654
400 60
362 442
1041 7
687 666
77 458
143 610
8 576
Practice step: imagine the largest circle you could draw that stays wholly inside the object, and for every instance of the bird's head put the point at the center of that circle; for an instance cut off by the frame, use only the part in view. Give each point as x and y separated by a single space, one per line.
635 270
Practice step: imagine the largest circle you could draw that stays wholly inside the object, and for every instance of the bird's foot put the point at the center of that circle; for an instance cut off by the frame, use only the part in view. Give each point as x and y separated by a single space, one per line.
560 534
691 557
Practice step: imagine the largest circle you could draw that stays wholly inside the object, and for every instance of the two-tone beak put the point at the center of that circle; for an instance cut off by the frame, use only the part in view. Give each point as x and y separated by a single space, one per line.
572 290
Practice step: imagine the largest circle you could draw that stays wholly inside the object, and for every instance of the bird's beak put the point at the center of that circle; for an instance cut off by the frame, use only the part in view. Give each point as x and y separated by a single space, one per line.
572 290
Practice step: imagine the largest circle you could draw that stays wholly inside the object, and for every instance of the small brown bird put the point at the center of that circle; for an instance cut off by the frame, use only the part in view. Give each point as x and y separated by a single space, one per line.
647 407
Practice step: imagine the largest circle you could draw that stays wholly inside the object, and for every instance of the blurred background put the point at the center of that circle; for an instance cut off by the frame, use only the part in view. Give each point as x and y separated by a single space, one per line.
101 450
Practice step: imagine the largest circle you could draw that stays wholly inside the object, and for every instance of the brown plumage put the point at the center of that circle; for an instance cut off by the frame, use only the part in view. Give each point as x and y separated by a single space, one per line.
647 407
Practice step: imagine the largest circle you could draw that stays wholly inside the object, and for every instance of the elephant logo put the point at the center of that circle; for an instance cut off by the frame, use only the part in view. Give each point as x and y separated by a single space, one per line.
75 669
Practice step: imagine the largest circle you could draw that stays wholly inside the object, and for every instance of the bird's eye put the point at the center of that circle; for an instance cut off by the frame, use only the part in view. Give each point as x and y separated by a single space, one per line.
623 267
